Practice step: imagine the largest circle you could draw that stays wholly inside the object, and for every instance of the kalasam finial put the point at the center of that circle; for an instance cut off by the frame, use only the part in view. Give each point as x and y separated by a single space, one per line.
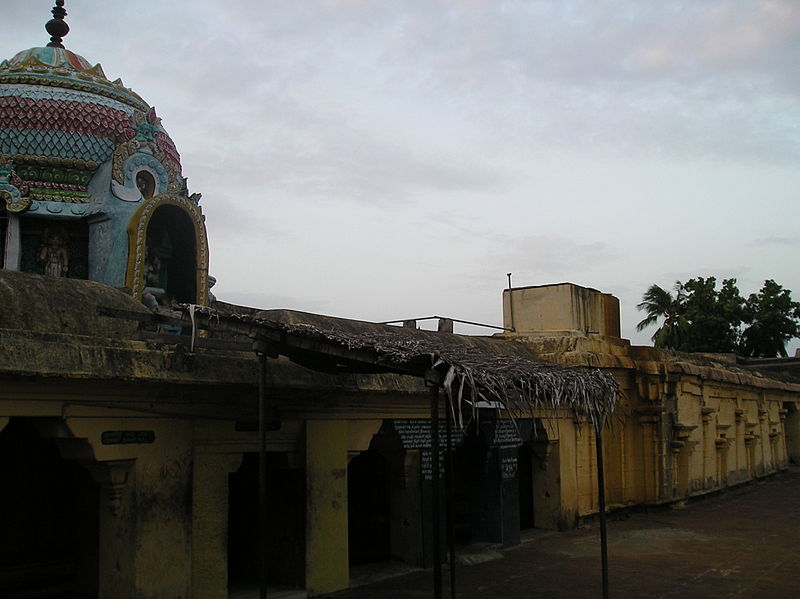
56 26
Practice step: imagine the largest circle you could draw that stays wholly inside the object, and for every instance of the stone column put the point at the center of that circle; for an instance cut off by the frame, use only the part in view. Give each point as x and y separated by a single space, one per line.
13 244
546 484
327 563
117 526
210 522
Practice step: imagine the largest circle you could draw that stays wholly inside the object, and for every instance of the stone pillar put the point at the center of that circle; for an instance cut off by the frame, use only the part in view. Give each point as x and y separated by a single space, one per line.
327 563
162 551
117 526
546 483
13 244
568 474
210 522
650 462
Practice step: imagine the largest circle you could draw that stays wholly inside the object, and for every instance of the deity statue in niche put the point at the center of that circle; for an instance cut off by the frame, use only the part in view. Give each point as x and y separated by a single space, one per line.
54 254
146 184
152 268
153 291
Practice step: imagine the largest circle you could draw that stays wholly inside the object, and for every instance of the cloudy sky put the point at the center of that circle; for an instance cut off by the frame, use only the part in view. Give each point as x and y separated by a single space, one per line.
388 159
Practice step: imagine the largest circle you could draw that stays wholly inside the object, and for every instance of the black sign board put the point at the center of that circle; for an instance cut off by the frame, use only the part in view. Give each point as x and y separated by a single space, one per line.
127 437
416 433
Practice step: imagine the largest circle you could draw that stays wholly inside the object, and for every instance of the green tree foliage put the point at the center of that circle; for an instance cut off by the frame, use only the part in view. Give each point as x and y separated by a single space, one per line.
714 317
700 318
772 317
660 303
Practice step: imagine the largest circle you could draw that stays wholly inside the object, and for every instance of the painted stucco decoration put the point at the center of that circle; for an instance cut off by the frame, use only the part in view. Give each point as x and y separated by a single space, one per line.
151 147
137 236
66 70
127 189
10 194
79 150
14 201
61 118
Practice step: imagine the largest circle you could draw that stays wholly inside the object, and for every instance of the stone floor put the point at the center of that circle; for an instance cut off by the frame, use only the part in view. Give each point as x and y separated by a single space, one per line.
744 543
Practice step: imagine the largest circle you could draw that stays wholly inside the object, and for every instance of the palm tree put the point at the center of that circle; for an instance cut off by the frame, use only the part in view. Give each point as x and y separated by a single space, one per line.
660 303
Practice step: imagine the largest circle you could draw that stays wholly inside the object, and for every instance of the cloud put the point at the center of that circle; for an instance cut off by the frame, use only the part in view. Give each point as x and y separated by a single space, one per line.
689 80
788 241
270 301
534 260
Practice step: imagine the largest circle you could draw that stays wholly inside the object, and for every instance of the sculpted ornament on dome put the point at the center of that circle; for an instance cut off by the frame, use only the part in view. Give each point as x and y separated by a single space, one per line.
145 148
13 199
142 176
6 168
9 193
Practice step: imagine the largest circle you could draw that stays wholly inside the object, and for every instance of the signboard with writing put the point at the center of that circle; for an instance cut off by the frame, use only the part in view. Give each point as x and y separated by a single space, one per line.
506 433
508 466
416 433
426 464
127 437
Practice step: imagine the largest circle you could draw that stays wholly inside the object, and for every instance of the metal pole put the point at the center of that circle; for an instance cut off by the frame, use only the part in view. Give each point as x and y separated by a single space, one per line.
437 532
601 493
449 481
262 475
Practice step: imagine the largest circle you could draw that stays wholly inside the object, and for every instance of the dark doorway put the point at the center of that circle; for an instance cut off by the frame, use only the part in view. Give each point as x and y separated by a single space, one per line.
525 475
792 428
470 464
51 523
286 505
368 508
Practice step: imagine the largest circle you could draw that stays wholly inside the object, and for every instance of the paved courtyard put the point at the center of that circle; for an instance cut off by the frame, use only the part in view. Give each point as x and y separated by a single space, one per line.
744 543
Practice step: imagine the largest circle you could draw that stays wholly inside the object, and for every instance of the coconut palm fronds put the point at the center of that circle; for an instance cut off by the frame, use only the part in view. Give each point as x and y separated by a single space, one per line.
476 371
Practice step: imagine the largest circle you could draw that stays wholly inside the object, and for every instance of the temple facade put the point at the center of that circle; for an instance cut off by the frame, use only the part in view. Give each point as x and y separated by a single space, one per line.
129 398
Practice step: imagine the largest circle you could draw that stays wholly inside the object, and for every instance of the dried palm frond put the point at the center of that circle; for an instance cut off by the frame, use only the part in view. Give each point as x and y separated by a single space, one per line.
474 369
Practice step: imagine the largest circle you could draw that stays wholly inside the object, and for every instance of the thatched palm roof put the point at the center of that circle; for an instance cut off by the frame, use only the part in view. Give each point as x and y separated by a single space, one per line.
472 369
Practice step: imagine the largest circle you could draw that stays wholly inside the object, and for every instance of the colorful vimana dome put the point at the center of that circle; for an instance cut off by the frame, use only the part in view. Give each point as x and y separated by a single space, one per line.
90 177
61 118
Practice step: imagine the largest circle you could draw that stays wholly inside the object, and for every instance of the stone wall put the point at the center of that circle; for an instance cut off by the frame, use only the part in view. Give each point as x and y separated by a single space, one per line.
687 425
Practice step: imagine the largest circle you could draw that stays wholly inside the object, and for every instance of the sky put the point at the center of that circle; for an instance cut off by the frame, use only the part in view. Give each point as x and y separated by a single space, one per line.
389 159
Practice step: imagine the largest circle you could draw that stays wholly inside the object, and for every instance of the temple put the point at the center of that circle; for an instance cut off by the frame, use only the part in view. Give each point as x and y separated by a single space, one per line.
142 421
91 182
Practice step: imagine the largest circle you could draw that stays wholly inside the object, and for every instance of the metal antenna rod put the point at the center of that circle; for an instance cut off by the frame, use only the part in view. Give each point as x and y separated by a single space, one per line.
510 303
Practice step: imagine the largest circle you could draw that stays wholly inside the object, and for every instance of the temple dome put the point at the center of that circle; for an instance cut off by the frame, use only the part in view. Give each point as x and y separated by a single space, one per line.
91 185
54 105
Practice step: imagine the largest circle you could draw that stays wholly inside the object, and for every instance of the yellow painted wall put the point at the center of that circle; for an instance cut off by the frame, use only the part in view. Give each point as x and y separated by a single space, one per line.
145 520
210 521
327 567
564 307
683 430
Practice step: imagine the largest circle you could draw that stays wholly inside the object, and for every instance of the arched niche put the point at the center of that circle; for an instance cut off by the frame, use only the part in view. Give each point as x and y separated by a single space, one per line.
168 250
